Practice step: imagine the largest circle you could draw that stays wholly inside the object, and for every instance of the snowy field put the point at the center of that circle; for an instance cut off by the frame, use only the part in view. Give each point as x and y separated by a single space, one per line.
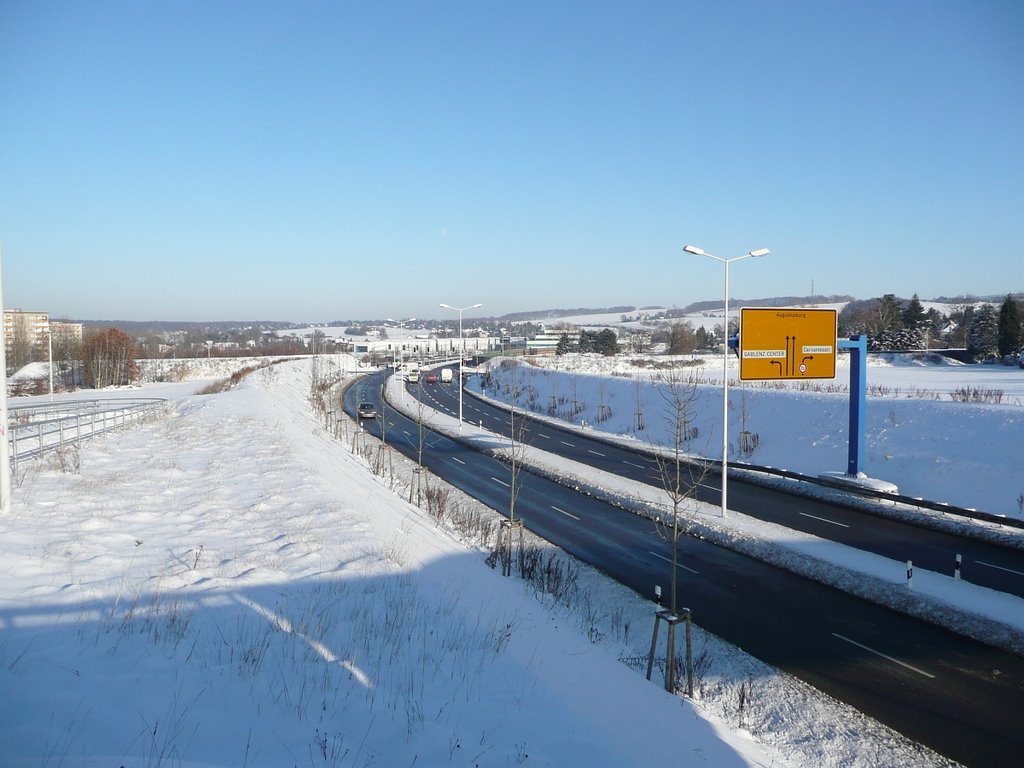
230 586
966 454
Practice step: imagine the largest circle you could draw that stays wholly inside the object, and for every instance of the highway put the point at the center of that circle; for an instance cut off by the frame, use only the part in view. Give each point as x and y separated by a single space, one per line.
959 697
985 564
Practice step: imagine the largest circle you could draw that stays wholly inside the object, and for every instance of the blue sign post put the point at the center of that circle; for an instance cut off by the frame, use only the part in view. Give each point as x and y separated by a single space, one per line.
858 346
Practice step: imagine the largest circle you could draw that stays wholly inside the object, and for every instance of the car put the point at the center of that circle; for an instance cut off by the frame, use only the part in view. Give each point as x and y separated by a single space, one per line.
431 378
367 411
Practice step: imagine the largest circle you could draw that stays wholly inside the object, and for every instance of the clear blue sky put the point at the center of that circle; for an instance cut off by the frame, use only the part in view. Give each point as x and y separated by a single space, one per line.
315 161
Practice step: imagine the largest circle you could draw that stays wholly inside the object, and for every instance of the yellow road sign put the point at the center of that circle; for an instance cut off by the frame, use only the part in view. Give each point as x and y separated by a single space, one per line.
787 343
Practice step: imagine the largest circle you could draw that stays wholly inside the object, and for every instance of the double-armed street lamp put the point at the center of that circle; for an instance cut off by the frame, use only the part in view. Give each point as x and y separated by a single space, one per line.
462 350
400 371
725 359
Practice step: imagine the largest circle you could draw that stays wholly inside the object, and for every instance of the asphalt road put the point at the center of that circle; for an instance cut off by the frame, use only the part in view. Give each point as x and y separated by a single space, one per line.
984 564
957 696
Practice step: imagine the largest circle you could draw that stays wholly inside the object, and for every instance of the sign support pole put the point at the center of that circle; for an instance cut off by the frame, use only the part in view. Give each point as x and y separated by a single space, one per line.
858 346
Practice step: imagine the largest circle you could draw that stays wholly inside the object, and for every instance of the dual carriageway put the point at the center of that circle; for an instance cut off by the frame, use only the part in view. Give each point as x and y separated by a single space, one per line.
958 696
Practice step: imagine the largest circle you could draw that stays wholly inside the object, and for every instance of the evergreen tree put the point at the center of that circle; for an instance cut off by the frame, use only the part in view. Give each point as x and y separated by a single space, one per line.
563 344
913 315
607 342
915 325
1009 329
983 335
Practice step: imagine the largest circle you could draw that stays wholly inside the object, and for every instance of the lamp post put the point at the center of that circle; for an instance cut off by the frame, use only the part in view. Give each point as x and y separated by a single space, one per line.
401 325
462 350
725 361
5 446
49 351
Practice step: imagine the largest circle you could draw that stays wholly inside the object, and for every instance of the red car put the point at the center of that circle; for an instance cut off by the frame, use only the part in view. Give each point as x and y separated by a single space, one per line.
431 378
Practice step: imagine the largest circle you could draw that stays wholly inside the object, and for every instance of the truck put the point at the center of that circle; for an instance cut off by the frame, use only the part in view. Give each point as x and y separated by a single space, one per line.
446 376
412 375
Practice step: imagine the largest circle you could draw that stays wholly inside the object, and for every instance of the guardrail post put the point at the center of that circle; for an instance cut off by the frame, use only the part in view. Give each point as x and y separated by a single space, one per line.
910 573
956 568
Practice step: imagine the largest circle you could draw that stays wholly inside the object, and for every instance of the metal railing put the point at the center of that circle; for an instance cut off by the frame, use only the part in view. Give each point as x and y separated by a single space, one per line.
848 488
34 430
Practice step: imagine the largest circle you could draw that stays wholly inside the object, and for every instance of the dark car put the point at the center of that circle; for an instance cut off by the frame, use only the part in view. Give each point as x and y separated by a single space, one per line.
367 411
431 378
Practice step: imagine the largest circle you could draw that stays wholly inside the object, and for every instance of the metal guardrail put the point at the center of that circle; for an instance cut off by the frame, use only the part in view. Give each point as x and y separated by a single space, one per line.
838 484
847 487
914 501
34 430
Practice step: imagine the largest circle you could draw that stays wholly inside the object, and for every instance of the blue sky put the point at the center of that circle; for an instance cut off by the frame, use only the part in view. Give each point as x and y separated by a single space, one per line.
318 161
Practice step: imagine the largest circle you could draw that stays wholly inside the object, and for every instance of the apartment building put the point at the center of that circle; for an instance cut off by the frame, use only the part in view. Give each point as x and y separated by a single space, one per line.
26 336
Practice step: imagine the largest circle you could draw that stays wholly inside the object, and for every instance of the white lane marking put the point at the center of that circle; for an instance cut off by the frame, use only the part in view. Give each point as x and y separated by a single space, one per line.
458 460
999 567
638 466
565 443
678 565
825 520
595 453
546 437
500 482
884 656
564 512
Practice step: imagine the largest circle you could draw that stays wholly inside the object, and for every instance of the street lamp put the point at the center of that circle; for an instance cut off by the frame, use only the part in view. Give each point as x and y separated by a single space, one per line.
49 349
5 446
462 350
725 360
401 324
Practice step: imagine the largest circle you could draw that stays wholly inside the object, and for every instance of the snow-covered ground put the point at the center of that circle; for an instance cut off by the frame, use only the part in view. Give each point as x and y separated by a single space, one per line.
230 586
966 454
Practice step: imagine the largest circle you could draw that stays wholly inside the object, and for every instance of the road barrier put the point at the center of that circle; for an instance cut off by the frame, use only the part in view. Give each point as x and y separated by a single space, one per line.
34 430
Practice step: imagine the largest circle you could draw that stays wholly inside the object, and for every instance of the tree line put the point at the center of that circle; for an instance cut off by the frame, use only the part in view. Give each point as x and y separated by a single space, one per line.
605 342
892 324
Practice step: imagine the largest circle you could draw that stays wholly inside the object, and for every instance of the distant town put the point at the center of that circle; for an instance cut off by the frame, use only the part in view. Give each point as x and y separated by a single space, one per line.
972 329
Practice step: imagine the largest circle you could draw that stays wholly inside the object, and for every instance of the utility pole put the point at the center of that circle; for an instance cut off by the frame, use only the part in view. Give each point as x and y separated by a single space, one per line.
5 448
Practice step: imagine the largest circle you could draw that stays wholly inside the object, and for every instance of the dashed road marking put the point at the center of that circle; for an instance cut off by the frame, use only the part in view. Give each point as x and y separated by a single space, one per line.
884 656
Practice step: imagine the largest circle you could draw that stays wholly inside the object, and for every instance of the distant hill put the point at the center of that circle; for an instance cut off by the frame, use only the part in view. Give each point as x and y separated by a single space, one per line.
775 301
142 327
519 317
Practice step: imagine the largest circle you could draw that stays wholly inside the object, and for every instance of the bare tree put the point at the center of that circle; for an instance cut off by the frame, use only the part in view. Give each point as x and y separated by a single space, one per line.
682 339
680 476
108 359
639 342
515 455
638 414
